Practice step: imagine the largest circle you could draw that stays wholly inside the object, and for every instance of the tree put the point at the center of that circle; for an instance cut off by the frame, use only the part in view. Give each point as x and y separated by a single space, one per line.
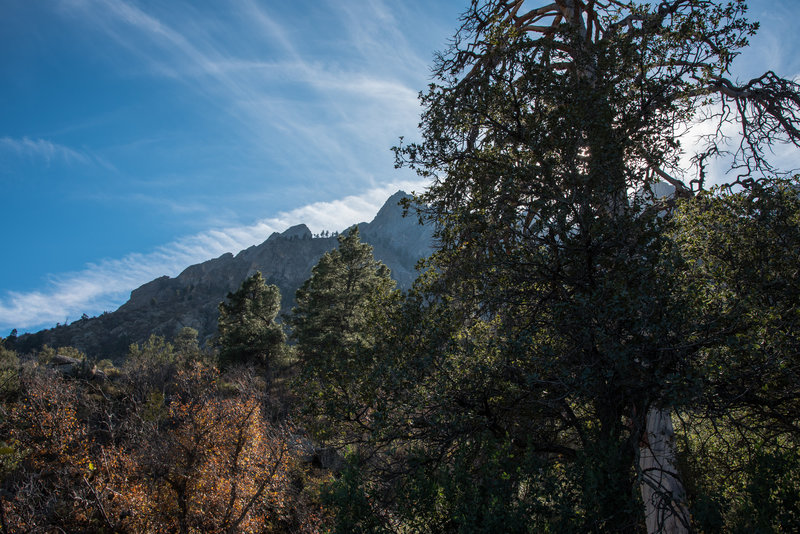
186 341
336 324
11 341
248 332
741 436
744 250
544 135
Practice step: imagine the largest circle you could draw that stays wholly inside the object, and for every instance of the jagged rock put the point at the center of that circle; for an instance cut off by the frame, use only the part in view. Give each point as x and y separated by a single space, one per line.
165 305
320 456
299 231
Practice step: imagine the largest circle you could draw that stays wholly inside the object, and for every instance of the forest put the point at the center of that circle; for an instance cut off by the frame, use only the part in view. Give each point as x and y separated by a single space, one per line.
606 338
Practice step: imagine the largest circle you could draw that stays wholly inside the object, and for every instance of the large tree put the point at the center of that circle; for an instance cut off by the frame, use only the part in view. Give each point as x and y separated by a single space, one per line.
336 323
544 134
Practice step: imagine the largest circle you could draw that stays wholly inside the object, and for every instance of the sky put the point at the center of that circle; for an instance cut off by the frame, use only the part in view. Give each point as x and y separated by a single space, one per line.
138 137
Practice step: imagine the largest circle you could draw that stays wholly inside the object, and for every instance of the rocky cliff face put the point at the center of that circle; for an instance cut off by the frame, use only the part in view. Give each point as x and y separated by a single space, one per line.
165 305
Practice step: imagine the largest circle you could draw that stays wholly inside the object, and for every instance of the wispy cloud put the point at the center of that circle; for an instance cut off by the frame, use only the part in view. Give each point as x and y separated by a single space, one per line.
105 285
43 149
361 103
37 149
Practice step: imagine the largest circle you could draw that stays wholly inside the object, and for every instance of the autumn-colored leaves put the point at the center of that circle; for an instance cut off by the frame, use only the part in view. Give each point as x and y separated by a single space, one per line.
190 456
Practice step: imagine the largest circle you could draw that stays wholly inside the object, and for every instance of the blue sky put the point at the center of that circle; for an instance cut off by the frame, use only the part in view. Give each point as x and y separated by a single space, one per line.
138 136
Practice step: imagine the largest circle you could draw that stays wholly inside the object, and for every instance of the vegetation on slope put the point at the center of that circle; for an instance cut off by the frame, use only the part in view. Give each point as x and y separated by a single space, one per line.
578 355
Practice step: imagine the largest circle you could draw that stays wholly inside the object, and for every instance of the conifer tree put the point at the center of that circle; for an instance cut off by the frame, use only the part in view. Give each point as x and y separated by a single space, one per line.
248 332
186 342
336 323
544 133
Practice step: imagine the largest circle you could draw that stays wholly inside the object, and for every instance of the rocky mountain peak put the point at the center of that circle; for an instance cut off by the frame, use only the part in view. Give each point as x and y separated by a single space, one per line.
165 305
298 231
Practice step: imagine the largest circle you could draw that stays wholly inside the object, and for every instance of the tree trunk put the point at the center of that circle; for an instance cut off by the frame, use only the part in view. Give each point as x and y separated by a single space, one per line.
662 491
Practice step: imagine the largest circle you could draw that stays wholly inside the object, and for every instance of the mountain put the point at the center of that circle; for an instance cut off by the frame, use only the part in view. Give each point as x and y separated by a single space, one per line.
165 305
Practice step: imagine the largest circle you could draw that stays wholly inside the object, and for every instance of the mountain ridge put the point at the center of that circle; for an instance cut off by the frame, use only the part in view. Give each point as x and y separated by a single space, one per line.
164 305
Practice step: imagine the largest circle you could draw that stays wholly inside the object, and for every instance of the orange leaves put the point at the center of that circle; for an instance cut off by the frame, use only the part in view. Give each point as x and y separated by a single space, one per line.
179 457
46 422
53 445
211 466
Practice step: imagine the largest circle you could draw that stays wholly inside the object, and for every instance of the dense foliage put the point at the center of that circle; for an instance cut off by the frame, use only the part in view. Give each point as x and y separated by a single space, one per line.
588 350
168 444
248 332
336 324
570 311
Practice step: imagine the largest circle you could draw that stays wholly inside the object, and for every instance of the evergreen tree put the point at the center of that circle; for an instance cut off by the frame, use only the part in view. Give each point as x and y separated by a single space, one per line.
740 436
11 340
186 343
544 133
337 320
248 332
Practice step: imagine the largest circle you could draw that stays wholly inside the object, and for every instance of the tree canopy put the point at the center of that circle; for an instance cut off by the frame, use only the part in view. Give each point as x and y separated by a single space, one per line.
337 323
603 340
248 332
545 133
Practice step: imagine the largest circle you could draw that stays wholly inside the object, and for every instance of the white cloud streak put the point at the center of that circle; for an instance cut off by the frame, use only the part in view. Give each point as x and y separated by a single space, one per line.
360 105
105 285
43 149
51 153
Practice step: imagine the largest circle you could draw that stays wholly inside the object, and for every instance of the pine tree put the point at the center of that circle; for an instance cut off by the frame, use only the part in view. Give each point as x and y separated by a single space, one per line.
543 133
336 324
248 332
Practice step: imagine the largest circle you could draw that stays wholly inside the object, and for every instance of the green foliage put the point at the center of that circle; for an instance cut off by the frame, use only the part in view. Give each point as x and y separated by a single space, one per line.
489 486
287 359
186 341
562 305
10 457
149 369
108 368
248 332
743 249
354 509
740 450
48 353
154 410
154 352
187 347
335 306
340 313
105 365
10 342
9 372
771 498
738 480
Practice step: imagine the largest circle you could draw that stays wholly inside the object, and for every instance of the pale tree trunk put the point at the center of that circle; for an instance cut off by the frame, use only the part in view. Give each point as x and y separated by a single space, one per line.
662 491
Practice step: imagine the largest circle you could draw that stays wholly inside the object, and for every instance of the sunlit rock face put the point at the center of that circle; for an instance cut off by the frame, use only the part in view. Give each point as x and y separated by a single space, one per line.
165 305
